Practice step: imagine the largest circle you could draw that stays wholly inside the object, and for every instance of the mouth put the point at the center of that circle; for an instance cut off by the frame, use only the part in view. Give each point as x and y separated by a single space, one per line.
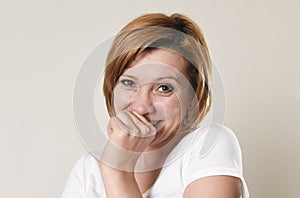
157 124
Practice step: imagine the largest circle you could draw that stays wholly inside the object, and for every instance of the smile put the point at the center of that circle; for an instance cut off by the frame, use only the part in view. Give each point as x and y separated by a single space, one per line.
156 123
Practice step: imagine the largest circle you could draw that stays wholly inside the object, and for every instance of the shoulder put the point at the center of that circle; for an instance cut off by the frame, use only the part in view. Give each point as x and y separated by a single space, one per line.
214 150
215 140
86 163
85 179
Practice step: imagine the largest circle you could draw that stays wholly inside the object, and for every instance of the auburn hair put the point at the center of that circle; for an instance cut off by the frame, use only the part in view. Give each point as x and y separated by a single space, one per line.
177 33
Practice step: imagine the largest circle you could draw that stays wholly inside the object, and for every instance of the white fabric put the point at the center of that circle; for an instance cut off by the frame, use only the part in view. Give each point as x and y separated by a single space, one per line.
223 158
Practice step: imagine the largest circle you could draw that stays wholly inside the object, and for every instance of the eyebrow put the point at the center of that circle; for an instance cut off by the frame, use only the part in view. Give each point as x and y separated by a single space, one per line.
168 77
126 75
157 79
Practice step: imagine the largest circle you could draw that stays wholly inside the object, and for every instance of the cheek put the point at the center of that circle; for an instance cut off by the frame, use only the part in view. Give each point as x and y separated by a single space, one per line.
120 99
177 106
171 107
186 101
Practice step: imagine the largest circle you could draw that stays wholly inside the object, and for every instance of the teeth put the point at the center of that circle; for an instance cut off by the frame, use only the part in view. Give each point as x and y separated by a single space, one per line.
155 123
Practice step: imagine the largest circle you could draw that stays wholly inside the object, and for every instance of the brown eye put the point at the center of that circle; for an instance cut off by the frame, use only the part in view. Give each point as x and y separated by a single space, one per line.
165 88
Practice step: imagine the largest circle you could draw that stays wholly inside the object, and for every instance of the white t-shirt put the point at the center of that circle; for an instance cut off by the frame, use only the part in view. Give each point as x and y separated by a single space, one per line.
210 150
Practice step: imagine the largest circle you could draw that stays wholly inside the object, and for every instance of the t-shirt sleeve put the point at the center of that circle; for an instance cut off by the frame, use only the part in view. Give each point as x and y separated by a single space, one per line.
74 187
215 151
85 180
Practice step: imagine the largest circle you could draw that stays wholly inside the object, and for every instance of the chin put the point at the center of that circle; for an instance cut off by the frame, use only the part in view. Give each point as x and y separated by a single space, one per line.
162 138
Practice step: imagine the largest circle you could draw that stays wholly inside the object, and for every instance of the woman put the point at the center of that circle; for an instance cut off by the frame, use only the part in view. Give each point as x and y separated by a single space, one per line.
158 88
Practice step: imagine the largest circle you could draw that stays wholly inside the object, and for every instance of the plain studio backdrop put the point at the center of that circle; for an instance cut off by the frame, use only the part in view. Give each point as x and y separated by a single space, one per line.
254 43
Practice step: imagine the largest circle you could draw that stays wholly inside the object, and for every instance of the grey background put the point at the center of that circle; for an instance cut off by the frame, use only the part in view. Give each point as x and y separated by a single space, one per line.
254 43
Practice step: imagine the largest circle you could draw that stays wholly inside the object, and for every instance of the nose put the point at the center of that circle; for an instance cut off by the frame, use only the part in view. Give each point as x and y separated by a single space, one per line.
141 101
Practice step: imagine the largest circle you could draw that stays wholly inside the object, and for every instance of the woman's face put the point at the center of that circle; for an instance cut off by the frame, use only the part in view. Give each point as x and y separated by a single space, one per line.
156 86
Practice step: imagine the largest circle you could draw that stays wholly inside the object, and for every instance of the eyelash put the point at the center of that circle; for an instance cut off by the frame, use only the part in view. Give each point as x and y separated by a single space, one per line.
169 87
130 84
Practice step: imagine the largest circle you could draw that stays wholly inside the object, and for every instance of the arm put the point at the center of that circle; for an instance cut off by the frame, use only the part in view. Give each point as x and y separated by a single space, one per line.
129 135
219 172
214 187
119 183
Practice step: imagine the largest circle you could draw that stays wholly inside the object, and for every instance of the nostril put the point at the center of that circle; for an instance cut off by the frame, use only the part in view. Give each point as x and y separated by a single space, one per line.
142 107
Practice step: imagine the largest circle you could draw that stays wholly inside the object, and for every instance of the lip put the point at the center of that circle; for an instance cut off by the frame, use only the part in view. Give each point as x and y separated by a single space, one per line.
157 124
154 123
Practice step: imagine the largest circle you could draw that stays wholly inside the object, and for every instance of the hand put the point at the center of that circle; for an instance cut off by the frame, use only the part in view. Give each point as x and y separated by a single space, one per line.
131 131
129 135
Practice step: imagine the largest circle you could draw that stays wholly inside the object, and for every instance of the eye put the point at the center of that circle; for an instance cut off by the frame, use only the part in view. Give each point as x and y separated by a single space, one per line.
128 83
164 88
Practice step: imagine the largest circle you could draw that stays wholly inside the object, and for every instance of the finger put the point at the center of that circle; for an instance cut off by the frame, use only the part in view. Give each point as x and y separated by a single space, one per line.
109 129
145 127
115 124
125 119
151 129
141 118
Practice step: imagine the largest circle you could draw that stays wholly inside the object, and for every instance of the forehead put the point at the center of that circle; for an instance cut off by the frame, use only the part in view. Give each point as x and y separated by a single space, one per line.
161 57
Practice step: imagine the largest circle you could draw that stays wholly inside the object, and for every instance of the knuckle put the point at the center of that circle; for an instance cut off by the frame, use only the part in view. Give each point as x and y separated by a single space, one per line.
134 131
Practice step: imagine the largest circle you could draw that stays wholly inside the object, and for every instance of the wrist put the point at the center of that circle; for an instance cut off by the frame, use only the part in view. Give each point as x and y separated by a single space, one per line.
119 159
111 171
